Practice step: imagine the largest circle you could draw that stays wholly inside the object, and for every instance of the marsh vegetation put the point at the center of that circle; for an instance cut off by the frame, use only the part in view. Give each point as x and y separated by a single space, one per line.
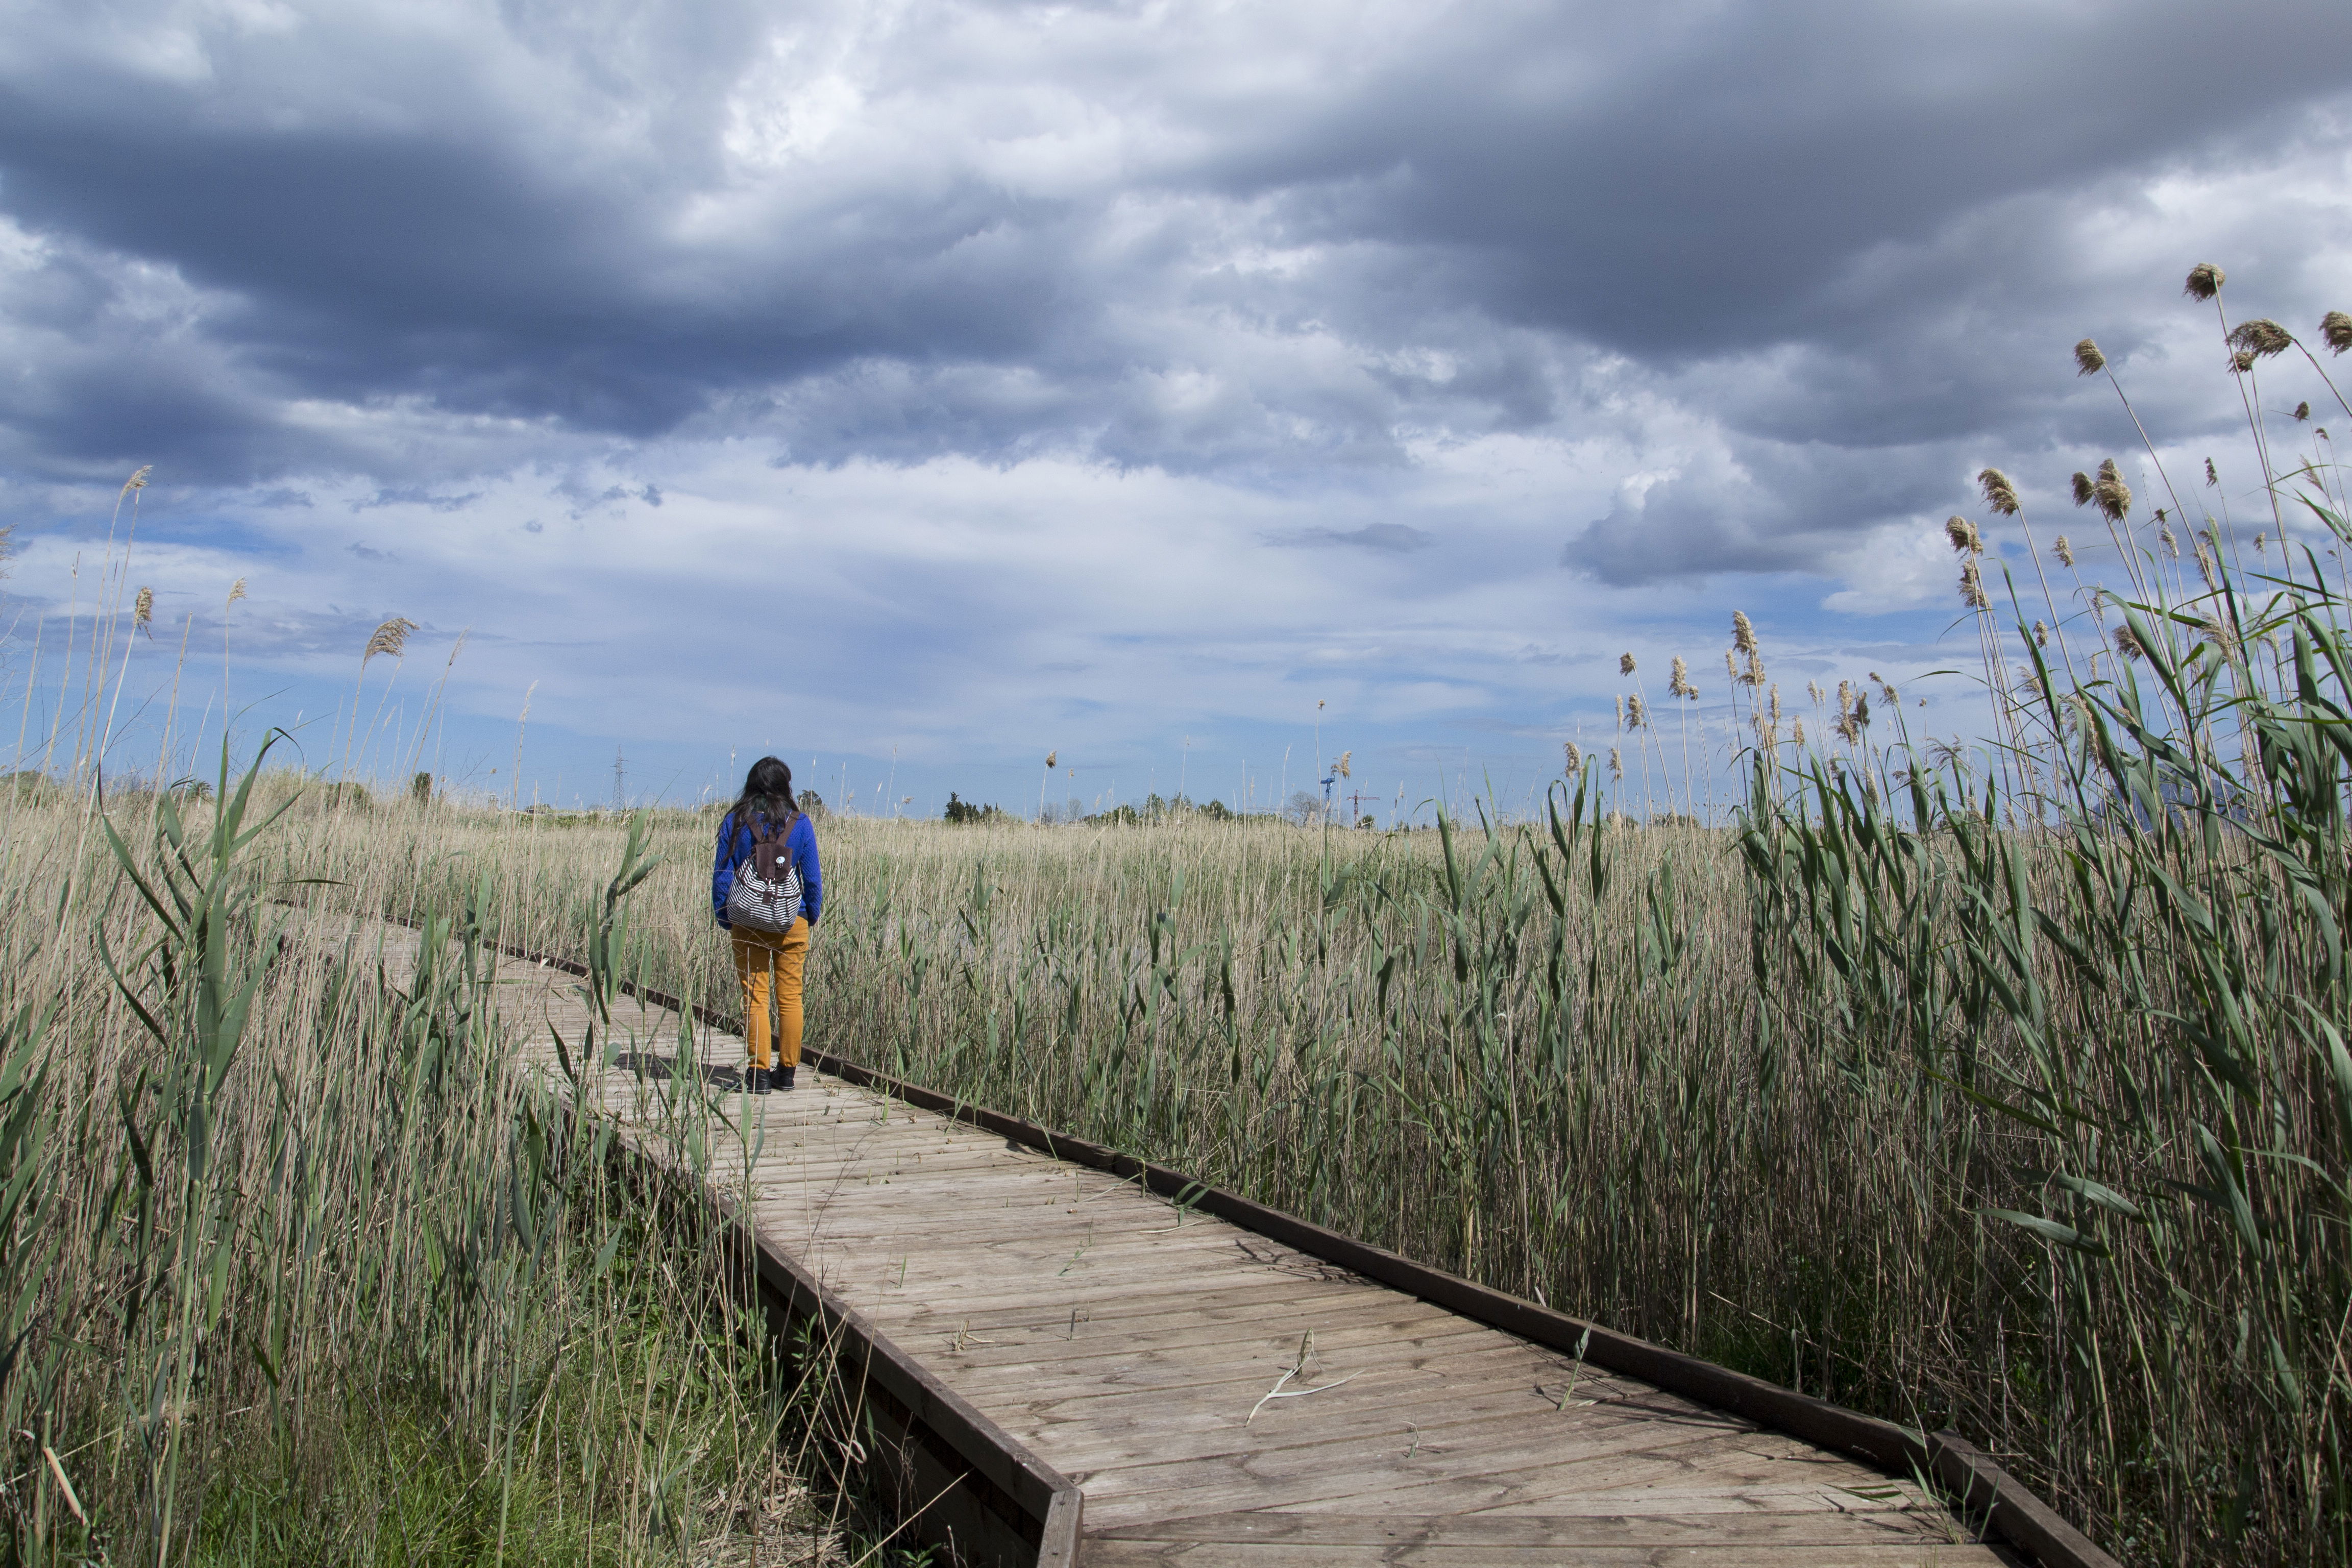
300 1266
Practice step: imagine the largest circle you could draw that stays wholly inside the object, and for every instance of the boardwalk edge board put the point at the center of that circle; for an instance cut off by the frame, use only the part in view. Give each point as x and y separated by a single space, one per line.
1967 1476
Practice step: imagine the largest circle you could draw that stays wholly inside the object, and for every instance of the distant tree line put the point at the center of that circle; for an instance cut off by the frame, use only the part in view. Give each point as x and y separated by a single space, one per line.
1304 810
961 810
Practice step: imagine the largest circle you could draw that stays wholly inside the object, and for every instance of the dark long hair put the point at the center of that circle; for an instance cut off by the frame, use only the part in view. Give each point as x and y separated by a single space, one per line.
767 791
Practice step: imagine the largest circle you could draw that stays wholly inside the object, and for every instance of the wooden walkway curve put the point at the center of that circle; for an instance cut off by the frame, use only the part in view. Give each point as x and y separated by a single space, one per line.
1221 1397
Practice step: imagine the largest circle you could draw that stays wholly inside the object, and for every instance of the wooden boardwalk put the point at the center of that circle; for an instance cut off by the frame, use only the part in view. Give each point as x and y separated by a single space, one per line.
1219 1397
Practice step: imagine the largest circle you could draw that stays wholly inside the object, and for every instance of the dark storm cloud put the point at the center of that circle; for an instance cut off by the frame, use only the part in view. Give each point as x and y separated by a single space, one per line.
1834 232
1684 180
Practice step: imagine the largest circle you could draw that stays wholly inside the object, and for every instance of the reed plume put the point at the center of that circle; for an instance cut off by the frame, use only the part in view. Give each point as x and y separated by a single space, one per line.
1625 664
391 637
2063 550
142 612
2084 489
1575 758
1636 716
2113 495
1743 641
2260 337
2088 360
2205 280
1678 683
1963 535
2336 331
1999 493
236 592
1972 592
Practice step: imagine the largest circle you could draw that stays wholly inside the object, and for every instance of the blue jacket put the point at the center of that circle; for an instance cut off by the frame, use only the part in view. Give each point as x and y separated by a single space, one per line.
735 848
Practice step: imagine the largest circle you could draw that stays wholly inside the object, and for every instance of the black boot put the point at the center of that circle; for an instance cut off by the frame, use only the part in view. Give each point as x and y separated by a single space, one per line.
786 1081
755 1081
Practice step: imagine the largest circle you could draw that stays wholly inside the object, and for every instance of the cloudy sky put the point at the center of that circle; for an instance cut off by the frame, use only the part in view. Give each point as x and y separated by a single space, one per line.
915 387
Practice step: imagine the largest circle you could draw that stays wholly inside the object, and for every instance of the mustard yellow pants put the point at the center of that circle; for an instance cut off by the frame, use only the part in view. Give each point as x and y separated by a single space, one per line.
768 967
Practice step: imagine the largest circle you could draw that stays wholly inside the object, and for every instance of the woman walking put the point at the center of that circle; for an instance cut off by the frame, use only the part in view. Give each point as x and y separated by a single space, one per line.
767 889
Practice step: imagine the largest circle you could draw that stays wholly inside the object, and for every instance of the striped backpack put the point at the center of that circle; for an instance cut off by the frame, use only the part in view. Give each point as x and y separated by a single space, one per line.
767 892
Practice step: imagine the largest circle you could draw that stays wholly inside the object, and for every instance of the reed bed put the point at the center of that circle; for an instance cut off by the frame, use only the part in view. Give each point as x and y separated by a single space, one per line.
298 1267
1983 1125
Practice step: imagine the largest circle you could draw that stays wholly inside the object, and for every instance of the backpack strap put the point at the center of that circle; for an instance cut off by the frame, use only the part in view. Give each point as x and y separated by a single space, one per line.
776 832
753 823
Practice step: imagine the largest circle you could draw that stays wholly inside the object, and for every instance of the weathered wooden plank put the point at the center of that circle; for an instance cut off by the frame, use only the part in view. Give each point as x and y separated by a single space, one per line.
1122 1553
949 1163
1710 1498
1529 1476
1104 1432
1261 1295
1378 1378
1366 1376
1438 1431
993 1210
1207 1265
1009 1268
1042 1345
1392 1531
1198 1377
